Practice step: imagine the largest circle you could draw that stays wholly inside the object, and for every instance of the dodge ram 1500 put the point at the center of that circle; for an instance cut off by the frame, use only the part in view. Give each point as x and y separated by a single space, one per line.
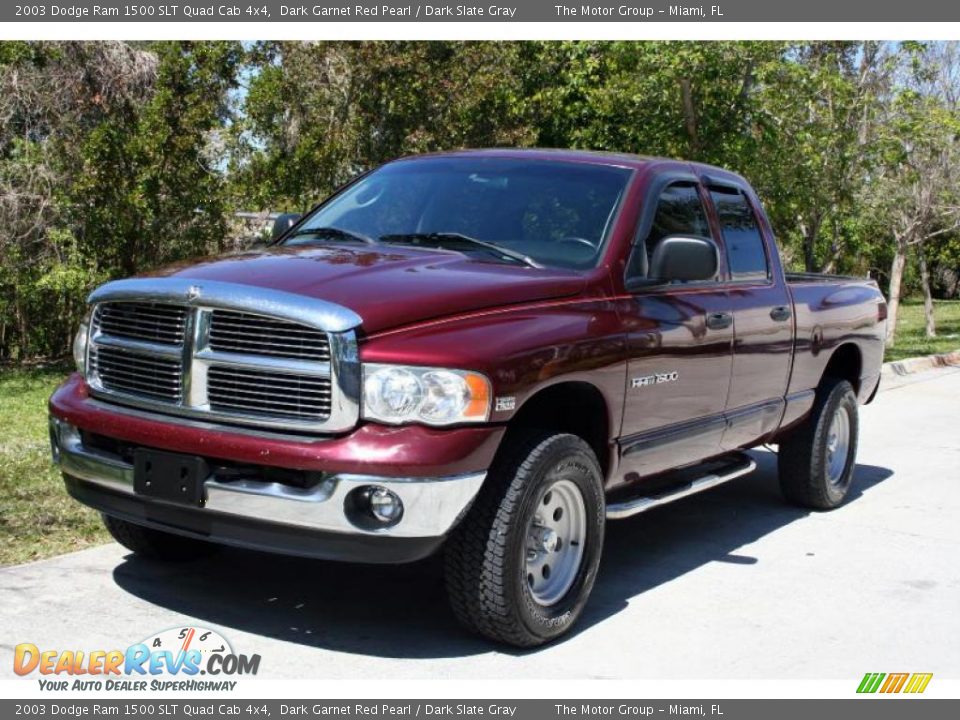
489 353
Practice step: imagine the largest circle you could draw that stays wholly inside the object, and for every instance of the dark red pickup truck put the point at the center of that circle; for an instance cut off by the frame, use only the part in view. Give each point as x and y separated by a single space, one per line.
492 352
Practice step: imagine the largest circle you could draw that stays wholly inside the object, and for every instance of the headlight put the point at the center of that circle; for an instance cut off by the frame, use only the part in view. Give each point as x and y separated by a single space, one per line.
80 344
400 394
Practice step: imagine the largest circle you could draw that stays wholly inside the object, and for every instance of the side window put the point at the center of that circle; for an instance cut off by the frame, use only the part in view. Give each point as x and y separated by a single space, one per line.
746 253
679 212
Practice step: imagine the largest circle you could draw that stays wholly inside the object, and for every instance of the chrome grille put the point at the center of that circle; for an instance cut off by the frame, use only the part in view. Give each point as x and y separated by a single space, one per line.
135 373
153 322
242 332
296 396
226 353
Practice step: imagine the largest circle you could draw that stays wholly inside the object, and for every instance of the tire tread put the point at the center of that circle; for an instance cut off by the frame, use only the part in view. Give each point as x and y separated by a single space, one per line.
801 465
476 560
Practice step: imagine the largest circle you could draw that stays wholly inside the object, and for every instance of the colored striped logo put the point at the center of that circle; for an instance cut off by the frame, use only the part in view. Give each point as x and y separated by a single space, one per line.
894 682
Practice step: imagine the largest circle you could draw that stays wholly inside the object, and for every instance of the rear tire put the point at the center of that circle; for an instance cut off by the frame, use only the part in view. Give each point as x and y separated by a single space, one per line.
156 544
520 567
816 461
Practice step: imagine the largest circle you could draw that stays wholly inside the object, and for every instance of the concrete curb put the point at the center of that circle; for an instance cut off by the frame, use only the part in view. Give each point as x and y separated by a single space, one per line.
919 364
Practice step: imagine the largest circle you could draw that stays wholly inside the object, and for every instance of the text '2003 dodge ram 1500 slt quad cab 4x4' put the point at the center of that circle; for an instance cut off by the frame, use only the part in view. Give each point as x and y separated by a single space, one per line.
492 352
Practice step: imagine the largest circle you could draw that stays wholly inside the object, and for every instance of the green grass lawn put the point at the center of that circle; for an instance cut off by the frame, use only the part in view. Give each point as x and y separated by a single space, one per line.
911 338
37 518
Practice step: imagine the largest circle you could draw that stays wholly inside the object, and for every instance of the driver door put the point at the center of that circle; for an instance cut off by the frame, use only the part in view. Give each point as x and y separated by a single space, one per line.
679 345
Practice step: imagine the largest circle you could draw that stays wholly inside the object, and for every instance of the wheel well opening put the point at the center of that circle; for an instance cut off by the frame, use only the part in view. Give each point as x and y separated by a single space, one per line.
577 408
845 363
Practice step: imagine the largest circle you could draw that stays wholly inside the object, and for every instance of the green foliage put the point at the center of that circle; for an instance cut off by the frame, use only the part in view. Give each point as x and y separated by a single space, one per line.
316 114
109 166
148 181
676 99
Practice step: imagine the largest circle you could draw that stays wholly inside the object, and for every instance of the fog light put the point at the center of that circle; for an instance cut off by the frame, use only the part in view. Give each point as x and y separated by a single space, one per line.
385 506
373 507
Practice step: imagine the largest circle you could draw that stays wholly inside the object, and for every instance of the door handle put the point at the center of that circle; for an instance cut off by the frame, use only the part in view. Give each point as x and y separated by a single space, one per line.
719 321
781 313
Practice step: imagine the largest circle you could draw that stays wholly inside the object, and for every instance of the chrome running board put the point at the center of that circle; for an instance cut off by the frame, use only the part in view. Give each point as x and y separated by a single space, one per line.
741 465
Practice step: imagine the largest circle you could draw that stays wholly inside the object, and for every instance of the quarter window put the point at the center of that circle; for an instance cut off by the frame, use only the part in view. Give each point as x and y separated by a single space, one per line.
746 254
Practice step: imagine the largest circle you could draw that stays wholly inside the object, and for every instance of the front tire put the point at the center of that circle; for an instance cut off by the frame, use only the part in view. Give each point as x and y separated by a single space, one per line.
156 544
520 567
816 461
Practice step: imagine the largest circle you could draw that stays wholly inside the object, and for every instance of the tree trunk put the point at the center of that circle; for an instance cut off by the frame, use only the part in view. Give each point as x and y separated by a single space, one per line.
809 249
893 294
23 350
810 231
690 116
927 296
953 285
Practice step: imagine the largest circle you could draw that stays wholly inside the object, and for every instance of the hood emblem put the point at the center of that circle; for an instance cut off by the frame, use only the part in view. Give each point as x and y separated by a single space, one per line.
193 292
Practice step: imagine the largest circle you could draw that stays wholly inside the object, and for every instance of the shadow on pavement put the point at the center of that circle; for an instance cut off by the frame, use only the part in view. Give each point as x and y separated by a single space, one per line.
401 611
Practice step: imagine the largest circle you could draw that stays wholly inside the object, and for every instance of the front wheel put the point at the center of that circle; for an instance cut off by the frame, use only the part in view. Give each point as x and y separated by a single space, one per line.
817 460
520 567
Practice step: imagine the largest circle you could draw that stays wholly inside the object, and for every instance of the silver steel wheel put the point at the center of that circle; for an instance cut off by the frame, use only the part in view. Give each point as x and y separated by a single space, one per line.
555 540
838 445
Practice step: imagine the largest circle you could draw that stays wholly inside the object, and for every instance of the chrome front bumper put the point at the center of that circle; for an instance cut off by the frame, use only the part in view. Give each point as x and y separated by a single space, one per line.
432 506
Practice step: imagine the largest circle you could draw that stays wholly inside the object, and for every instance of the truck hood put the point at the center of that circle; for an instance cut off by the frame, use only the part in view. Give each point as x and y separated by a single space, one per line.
388 287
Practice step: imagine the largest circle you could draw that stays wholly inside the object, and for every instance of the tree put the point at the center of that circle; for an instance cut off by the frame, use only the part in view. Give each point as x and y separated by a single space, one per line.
692 100
915 190
149 191
822 104
104 171
317 114
51 96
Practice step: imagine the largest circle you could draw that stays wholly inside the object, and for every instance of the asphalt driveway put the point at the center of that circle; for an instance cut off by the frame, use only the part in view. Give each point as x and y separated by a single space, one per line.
730 583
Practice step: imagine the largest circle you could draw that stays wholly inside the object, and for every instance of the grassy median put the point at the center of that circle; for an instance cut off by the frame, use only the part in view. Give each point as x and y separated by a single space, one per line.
911 338
38 519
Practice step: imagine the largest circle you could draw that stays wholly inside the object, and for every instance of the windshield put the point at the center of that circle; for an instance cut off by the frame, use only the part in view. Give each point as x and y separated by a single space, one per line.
557 214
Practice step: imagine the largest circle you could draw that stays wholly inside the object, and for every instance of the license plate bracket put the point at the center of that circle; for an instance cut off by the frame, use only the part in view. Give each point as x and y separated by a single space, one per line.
169 476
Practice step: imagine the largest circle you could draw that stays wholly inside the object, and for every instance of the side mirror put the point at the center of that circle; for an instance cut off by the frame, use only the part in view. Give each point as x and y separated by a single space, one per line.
684 259
282 223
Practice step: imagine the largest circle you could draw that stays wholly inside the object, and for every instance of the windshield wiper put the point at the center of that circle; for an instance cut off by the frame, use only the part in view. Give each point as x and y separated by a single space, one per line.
333 233
447 239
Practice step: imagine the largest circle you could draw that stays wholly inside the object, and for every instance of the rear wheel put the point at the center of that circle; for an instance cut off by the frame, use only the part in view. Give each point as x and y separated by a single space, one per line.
156 544
817 460
520 567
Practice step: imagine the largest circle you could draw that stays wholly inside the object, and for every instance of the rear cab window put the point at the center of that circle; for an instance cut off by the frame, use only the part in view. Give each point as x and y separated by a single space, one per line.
742 237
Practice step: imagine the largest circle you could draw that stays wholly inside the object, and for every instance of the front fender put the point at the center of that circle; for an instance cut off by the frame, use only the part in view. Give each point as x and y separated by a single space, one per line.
522 350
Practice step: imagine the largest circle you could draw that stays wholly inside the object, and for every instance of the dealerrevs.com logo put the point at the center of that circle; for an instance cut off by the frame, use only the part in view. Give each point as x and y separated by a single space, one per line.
190 658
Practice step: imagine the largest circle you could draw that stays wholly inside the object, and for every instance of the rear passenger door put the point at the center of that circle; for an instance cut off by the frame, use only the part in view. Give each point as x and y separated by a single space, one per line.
679 339
762 317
